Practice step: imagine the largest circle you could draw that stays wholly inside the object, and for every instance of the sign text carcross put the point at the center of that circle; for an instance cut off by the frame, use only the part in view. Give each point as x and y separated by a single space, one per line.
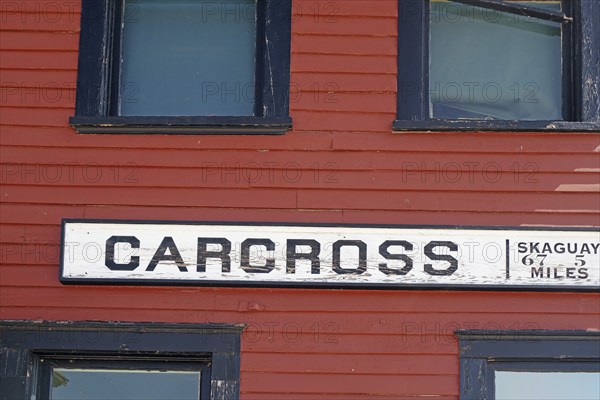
337 256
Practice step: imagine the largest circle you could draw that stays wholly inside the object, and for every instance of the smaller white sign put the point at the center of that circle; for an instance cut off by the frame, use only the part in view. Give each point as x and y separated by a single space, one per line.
339 256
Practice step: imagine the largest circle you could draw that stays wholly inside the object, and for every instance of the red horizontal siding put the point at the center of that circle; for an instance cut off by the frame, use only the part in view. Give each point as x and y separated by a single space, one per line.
305 199
286 328
340 164
49 213
511 144
38 60
292 176
35 40
34 78
358 45
328 22
332 335
36 16
342 63
383 160
347 320
351 363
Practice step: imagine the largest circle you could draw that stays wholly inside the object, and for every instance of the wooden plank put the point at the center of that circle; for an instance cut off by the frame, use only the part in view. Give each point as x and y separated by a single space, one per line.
38 59
499 202
354 160
66 136
39 78
331 396
354 364
317 329
328 177
18 233
342 63
332 99
49 16
335 121
494 164
24 266
533 218
380 8
290 326
332 23
257 198
319 82
477 142
348 45
292 300
11 40
307 199
464 143
341 384
36 276
38 6
52 214
373 345
38 214
21 115
453 178
51 95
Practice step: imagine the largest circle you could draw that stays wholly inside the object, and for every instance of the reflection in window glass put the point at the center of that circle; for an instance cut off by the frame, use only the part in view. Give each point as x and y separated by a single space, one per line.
547 385
486 64
188 58
100 384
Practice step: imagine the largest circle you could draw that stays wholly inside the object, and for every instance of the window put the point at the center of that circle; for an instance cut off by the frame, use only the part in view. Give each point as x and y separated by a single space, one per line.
127 379
529 365
128 361
184 66
498 65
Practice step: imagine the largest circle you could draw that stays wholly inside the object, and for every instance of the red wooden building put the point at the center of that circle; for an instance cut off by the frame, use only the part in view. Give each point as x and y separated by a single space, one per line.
359 149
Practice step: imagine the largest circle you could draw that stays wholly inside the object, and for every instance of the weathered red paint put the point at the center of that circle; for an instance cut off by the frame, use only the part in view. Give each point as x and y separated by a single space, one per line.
341 163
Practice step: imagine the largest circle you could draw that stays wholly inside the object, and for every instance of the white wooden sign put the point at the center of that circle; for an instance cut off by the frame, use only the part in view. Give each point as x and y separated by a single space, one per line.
335 256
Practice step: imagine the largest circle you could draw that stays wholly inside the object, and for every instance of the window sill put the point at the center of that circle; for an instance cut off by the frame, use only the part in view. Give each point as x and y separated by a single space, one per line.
212 125
495 125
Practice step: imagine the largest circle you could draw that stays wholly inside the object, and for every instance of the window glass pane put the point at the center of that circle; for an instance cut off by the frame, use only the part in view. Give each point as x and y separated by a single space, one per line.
547 385
486 64
188 57
99 384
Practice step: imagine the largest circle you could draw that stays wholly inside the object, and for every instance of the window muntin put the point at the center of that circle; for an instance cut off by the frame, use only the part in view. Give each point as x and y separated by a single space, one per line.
187 57
488 64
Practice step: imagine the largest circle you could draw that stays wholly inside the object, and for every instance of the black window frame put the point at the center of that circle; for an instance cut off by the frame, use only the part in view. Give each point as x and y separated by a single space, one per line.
484 352
30 348
98 78
581 46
